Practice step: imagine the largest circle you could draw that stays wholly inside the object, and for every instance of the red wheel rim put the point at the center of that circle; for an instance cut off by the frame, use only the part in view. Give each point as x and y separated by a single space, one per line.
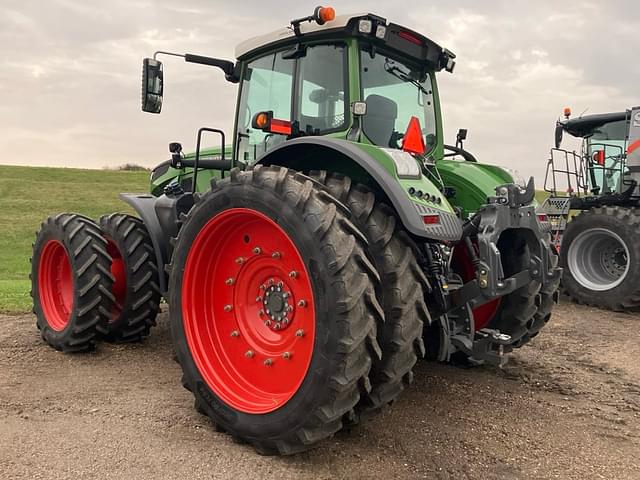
248 311
55 285
482 314
118 270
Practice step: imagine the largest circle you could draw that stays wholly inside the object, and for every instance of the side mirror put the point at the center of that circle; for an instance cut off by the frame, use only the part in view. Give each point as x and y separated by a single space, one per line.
152 85
558 135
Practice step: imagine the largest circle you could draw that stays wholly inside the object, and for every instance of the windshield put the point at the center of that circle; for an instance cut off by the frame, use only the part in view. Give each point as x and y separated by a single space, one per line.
395 92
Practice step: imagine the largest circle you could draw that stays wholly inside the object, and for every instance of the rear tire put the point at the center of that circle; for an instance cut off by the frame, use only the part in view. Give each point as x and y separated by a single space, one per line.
71 282
600 257
136 291
401 291
280 389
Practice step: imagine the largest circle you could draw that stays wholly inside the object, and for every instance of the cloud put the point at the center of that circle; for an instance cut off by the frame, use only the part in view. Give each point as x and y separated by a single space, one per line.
70 69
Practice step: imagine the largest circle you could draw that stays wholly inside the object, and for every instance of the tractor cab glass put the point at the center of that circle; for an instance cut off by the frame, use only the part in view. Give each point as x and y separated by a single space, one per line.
395 92
604 149
306 91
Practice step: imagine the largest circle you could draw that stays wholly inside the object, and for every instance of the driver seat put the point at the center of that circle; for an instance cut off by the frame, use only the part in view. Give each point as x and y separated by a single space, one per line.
380 121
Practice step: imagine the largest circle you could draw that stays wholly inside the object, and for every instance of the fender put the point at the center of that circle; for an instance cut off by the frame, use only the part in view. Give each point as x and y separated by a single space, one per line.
295 154
144 205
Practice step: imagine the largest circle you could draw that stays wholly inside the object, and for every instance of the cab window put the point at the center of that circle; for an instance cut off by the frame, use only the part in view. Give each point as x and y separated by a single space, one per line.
267 85
322 86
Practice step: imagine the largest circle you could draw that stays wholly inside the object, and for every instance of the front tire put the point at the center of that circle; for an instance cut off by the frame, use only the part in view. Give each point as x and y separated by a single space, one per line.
71 282
600 257
273 310
135 289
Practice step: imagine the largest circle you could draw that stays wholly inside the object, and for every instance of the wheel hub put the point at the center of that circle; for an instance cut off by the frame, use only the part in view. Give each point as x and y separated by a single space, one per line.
598 259
277 304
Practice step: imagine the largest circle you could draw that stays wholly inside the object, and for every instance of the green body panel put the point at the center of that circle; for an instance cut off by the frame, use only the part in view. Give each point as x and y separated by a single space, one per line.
177 175
473 183
423 183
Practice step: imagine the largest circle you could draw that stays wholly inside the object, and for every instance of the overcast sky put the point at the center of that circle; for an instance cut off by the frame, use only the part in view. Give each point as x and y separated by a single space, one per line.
70 71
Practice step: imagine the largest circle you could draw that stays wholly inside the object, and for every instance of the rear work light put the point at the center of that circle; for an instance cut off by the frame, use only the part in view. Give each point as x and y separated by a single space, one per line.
365 26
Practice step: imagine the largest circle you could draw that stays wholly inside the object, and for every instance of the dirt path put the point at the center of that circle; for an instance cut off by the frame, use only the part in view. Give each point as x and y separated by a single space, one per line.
567 407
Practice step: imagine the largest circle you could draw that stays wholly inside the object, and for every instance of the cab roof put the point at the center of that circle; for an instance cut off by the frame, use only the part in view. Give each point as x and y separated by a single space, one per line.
584 126
403 41
286 33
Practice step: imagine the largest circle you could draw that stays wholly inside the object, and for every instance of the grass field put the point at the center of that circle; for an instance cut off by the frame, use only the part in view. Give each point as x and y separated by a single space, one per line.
29 194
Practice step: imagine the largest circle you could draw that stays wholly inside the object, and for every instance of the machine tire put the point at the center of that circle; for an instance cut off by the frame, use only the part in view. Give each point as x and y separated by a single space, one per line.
274 220
71 282
135 289
621 222
524 312
401 291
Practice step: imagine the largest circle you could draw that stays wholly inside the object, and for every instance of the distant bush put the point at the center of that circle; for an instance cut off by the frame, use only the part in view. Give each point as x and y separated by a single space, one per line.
131 167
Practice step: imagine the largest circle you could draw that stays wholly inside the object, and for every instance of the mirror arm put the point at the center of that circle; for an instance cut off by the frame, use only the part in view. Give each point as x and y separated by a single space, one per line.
230 69
226 66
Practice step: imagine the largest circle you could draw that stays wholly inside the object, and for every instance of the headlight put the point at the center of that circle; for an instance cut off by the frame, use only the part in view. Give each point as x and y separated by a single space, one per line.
406 165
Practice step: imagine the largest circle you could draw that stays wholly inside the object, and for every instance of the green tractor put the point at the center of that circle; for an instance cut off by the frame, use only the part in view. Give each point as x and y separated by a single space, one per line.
592 208
310 261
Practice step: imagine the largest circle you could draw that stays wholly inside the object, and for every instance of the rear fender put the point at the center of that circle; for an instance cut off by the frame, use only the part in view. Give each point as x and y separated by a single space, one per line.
144 205
370 165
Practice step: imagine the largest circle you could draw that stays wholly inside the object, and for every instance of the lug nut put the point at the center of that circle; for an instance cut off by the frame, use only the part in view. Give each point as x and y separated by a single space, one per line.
261 312
235 333
293 274
302 303
300 333
263 287
248 354
268 362
258 299
270 281
286 355
289 308
276 255
267 323
286 295
228 281
228 308
257 250
240 260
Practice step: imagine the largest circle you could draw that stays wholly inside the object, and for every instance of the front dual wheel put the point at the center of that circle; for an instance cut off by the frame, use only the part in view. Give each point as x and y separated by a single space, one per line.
273 310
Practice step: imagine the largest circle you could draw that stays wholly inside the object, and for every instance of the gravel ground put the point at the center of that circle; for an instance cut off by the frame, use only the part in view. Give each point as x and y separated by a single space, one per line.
567 406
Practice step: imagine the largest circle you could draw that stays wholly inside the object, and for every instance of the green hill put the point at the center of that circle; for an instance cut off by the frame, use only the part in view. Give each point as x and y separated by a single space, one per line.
29 194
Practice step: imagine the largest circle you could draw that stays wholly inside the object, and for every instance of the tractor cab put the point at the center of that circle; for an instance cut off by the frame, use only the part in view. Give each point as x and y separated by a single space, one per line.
352 77
601 169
